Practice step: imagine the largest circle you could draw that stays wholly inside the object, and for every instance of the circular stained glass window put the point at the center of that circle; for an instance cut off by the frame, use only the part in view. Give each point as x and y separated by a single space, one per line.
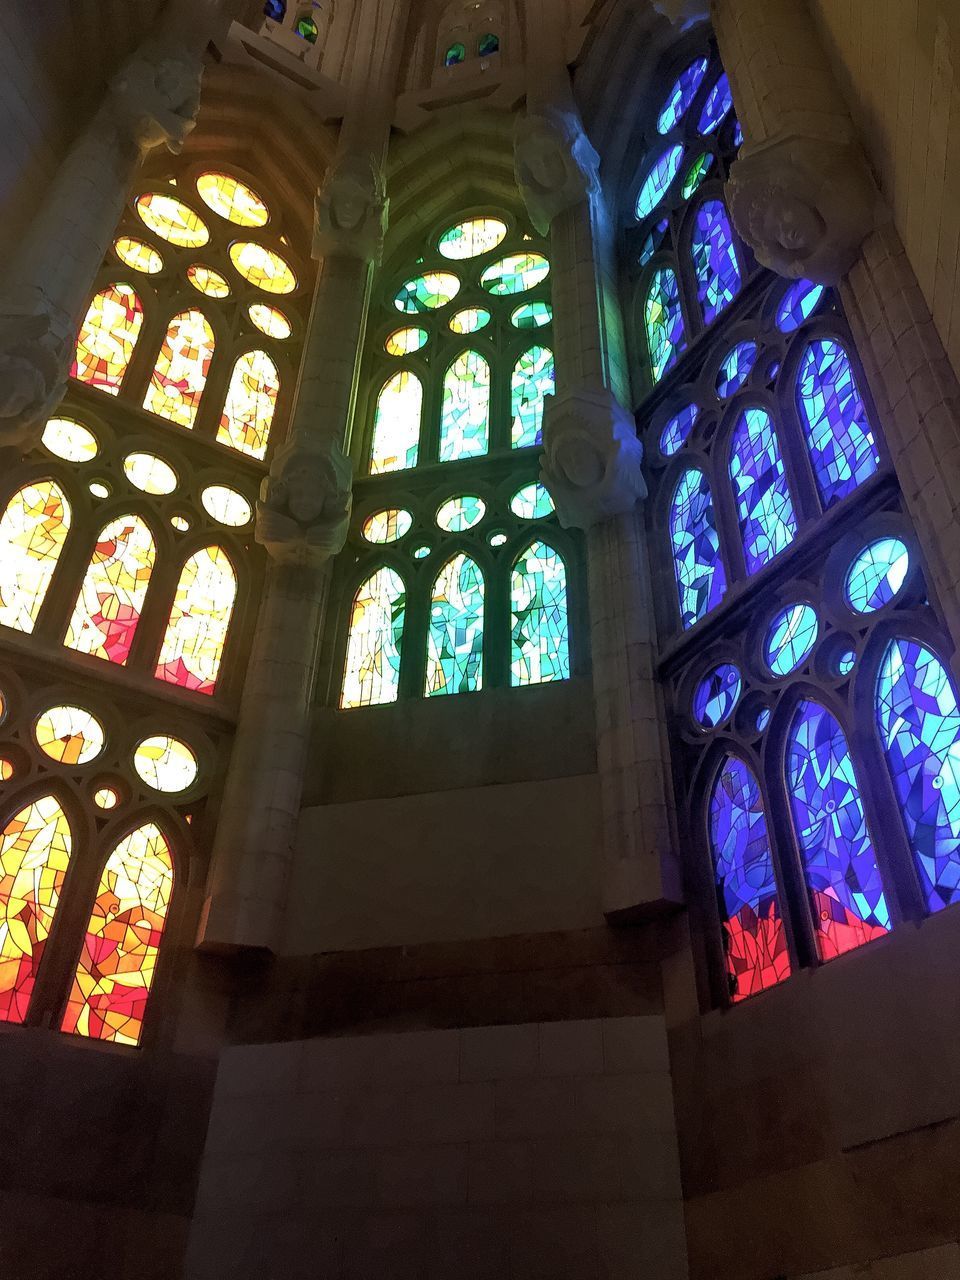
421 553
106 797
532 315
149 473
226 505
497 539
269 320
69 440
532 502
138 256
846 662
798 304
403 341
69 735
7 768
99 489
262 267
387 526
658 179
461 513
676 431
470 320
716 695
876 575
172 220
471 238
736 368
427 293
207 281
232 200
515 274
180 523
791 636
165 763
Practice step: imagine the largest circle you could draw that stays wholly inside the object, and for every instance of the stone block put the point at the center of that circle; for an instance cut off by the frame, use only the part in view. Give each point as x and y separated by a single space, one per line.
419 1177
634 1044
554 1244
250 1069
610 1104
534 1108
637 1240
469 1244
449 1113
571 1048
500 1172
498 1053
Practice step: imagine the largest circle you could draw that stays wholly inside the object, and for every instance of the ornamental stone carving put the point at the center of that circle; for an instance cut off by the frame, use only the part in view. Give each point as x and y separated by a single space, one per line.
154 98
591 462
804 205
305 503
350 214
33 369
556 164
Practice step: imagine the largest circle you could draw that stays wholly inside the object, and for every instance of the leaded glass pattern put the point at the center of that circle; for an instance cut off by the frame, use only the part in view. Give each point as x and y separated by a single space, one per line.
538 601
396 429
792 635
718 103
196 633
675 433
180 373
250 404
736 368
533 378
465 418
658 179
663 321
33 531
714 260
842 449
375 641
107 337
765 511
455 639
876 575
681 95
111 599
716 695
797 305
698 564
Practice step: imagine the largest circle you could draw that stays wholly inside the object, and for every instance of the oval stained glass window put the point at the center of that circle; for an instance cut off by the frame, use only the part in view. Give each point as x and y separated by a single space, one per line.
798 304
471 238
226 505
469 320
269 320
515 274
719 102
207 281
763 719
791 636
232 200
149 473
7 769
532 315
461 513
428 292
106 797
681 95
846 662
716 695
404 341
657 180
696 174
262 267
876 575
532 502
165 763
138 256
389 525
736 368
172 220
70 440
69 735
677 430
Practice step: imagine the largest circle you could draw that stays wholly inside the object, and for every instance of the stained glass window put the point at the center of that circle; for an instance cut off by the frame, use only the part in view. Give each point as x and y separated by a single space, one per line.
455 640
250 404
70 440
716 695
736 368
538 602
791 636
389 525
919 724
402 342
396 428
138 256
181 370
269 320
532 502
516 273
107 338
33 530
172 220
427 293
469 320
454 55
465 419
166 764
654 186
719 102
375 641
876 575
663 320
488 45
69 735
681 95
111 598
35 847
695 175
151 474
714 259
532 315
207 281
232 200
754 937
197 630
262 267
698 565
471 238
533 378
226 505
461 513
768 522
676 431
842 449
120 946
840 865
798 304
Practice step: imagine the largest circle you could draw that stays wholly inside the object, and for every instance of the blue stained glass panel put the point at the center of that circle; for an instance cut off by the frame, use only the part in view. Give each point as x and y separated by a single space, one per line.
658 179
455 642
540 650
791 636
737 134
275 9
736 368
681 95
663 319
652 242
714 259
696 174
676 431
842 449
718 103
840 865
876 575
716 695
533 378
798 304
846 662
768 522
763 718
698 564
919 724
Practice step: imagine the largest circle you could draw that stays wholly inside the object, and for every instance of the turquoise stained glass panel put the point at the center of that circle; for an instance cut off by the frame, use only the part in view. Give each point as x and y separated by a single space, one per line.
658 178
374 640
768 522
681 95
695 543
533 378
455 639
663 320
465 419
876 575
719 102
538 600
792 634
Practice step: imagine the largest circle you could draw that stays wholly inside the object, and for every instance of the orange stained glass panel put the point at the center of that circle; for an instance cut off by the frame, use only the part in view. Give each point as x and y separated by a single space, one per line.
118 959
107 338
33 529
35 848
197 631
111 598
181 370
250 404
232 200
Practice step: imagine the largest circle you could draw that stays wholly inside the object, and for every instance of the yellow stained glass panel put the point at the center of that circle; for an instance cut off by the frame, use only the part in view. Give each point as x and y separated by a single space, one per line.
250 404
232 200
110 602
69 735
172 220
262 267
33 530
207 281
181 369
137 255
70 440
149 473
165 763
107 338
199 620
226 505
269 320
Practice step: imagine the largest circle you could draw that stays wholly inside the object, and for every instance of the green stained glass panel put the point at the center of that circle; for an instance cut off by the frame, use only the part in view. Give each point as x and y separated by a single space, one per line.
374 641
532 502
540 650
532 315
470 320
471 238
461 513
533 378
427 292
465 421
696 174
515 274
455 640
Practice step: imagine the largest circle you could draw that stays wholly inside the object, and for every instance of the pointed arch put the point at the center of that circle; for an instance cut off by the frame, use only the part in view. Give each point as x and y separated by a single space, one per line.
533 378
754 939
695 546
35 848
768 522
375 641
919 724
196 633
108 608
250 404
539 630
180 373
33 530
840 864
455 640
843 452
663 322
465 420
396 427
118 958
107 337
714 259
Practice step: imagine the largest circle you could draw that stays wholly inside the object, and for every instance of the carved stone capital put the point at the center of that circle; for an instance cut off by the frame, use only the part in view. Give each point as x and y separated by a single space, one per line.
33 369
305 503
154 98
350 213
682 12
591 461
555 162
804 205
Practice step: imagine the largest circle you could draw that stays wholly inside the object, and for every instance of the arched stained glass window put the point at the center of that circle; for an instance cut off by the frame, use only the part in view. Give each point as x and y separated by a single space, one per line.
35 847
488 44
375 641
754 937
695 543
714 259
768 522
455 641
199 620
533 378
465 420
842 449
840 865
538 602
180 374
663 322
454 55
111 598
118 959
250 404
107 338
33 529
396 428
919 724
